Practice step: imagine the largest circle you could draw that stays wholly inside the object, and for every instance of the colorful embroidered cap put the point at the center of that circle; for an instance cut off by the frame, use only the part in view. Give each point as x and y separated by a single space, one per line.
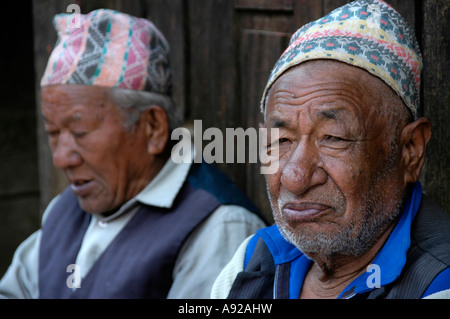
368 34
109 48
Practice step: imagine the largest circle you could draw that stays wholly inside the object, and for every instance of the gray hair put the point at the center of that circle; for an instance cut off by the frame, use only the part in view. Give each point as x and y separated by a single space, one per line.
132 103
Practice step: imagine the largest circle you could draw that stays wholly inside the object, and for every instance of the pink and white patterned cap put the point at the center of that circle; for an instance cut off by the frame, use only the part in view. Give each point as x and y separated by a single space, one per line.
109 48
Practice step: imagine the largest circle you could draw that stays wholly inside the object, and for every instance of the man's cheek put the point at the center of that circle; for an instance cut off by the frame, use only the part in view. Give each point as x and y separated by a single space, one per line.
273 184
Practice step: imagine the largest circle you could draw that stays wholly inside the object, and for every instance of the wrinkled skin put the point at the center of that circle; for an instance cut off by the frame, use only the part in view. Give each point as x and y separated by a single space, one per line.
344 167
105 164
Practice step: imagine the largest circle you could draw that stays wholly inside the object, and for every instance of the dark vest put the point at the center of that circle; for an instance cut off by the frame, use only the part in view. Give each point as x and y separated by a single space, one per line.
428 255
139 261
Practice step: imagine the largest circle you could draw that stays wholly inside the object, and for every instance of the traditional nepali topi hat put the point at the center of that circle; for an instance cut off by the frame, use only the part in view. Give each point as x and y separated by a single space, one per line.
109 48
368 34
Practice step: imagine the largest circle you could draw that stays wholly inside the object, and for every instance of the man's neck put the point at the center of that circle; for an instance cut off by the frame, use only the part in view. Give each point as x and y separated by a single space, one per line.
329 276
141 181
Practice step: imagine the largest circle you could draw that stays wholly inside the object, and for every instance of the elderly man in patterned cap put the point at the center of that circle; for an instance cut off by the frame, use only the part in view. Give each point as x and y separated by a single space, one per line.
351 218
132 223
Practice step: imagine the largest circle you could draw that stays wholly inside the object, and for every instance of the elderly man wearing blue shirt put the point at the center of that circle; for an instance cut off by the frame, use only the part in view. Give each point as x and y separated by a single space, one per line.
351 218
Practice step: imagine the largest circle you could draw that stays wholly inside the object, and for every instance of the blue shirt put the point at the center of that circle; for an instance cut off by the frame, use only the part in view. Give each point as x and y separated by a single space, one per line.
387 265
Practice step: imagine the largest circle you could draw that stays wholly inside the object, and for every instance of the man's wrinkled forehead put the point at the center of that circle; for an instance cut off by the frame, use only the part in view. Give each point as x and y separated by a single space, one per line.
279 118
68 94
335 90
72 103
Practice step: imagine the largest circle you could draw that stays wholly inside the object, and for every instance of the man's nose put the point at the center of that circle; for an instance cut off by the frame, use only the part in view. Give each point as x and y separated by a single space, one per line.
64 152
303 172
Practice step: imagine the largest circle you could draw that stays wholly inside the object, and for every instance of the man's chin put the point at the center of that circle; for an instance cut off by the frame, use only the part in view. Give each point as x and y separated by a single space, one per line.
312 242
91 207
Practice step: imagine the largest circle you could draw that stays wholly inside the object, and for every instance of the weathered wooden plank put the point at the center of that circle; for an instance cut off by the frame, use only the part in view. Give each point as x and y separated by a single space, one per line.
436 97
133 7
262 21
406 8
286 5
212 70
258 54
330 5
306 11
169 17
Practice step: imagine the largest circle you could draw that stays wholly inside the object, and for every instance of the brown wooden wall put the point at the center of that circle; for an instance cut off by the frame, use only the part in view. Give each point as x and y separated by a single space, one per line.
222 54
19 182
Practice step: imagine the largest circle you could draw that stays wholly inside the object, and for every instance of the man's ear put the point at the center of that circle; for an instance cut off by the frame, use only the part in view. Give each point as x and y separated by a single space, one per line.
414 139
156 124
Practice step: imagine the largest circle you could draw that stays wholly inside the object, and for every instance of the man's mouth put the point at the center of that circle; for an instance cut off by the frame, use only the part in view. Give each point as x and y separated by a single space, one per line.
79 183
81 187
304 211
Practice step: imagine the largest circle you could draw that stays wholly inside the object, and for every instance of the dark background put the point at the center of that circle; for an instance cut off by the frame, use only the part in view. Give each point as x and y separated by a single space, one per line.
222 54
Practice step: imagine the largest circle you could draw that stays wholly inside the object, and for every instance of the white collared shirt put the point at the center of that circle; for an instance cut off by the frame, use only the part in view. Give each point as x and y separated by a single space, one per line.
206 251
